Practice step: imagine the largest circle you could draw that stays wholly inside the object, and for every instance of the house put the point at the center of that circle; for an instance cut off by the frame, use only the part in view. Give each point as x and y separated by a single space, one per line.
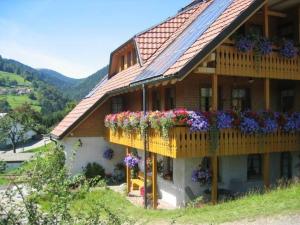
201 59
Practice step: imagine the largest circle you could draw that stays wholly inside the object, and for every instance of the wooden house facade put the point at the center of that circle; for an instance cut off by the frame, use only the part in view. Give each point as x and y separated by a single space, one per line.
164 68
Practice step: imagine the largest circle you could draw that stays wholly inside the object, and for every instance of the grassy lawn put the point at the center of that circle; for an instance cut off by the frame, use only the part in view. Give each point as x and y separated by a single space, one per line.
13 76
43 148
17 100
3 181
275 202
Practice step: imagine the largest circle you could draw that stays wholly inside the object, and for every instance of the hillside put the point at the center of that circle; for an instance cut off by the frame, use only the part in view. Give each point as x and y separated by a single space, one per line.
56 79
15 91
73 89
84 86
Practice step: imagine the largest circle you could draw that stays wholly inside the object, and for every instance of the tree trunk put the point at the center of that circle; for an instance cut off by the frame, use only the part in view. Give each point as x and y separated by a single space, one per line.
14 148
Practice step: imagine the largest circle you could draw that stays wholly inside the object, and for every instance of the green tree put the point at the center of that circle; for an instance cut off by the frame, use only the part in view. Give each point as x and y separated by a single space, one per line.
15 124
4 106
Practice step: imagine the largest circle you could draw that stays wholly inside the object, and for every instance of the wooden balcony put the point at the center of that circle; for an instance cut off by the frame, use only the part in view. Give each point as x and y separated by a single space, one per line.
182 143
229 61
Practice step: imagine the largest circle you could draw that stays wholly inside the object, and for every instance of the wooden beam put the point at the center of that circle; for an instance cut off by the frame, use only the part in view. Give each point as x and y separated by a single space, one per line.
207 70
154 180
215 92
128 173
267 94
276 14
214 183
266 20
266 169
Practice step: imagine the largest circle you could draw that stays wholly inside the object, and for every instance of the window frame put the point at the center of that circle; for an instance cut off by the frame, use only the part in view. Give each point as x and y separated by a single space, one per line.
119 105
246 99
286 156
168 104
256 176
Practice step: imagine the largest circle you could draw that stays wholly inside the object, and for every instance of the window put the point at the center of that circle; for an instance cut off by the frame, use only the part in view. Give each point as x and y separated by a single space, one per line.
254 167
116 104
285 165
205 99
128 59
155 100
122 62
170 99
167 168
134 58
240 99
287 98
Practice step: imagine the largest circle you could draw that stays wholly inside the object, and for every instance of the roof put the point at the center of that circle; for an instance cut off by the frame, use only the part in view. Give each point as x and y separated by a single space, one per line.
154 42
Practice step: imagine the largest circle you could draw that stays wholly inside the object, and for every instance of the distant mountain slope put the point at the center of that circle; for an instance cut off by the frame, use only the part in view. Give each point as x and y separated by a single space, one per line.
58 80
74 89
85 85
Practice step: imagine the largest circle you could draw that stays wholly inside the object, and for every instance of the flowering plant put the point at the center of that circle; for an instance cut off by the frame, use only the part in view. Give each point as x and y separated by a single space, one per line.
288 49
108 154
248 122
198 122
263 46
131 160
202 174
244 44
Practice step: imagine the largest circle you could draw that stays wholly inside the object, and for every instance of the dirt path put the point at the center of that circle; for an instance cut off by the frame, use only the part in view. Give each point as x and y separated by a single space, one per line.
283 219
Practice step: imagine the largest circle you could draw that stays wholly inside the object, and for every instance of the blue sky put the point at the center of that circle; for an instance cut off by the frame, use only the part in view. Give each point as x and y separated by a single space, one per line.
75 37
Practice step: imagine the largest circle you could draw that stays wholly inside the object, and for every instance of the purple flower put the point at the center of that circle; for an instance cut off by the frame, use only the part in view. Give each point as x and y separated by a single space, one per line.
264 46
288 50
131 161
108 154
198 122
244 44
292 123
249 125
202 176
270 126
224 120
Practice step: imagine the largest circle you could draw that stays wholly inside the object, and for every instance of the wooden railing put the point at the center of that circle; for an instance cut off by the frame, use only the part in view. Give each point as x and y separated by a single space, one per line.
229 61
182 143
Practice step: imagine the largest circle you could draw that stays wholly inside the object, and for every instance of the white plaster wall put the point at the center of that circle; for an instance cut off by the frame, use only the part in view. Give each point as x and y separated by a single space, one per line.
91 151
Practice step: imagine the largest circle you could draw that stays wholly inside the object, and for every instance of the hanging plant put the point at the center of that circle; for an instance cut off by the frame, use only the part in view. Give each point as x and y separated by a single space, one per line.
108 154
202 174
263 46
244 44
288 50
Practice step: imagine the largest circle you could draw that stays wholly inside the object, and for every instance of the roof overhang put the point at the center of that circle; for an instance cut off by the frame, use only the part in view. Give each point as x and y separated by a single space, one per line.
283 4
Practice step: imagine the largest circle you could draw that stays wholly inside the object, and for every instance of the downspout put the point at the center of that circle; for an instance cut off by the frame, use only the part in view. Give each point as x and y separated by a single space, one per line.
145 149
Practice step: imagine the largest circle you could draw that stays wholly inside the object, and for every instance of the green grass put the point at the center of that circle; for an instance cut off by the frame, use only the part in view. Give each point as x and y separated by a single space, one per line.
17 100
43 148
12 76
3 181
278 201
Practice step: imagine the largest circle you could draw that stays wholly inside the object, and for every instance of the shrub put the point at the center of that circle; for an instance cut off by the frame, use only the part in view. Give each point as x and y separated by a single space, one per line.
2 166
93 170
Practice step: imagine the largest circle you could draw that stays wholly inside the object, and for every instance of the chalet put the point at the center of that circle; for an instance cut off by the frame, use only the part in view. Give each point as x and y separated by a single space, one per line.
214 61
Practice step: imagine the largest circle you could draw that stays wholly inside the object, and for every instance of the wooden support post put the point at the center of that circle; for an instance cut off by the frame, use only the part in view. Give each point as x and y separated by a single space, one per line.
214 158
267 94
128 173
266 169
266 20
162 96
154 180
214 183
214 92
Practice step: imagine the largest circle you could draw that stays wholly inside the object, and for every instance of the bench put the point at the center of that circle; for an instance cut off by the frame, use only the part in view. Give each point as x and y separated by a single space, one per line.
138 182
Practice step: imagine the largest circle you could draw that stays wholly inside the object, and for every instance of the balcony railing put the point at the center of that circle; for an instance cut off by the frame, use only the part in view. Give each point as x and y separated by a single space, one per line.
183 143
229 61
